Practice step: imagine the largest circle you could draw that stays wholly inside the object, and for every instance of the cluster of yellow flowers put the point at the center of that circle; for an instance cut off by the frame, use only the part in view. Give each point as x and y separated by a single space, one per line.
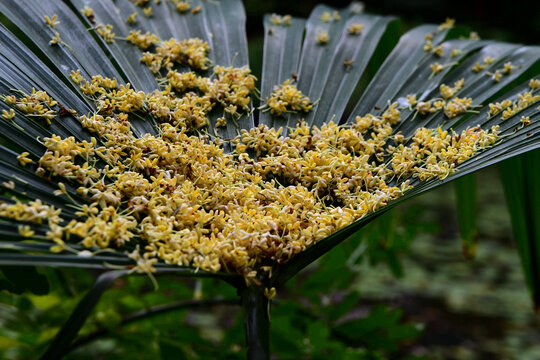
450 104
447 92
177 196
286 97
524 100
185 201
190 52
428 45
328 16
229 86
488 60
284 20
38 104
142 41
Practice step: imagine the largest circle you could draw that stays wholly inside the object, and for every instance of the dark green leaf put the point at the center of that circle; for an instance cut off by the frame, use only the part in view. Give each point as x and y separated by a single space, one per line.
465 188
521 176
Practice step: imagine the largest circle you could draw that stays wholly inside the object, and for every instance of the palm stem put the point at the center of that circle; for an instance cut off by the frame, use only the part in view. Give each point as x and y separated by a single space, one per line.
257 322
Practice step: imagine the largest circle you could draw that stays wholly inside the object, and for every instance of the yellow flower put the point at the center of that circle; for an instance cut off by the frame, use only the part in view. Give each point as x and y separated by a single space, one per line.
322 37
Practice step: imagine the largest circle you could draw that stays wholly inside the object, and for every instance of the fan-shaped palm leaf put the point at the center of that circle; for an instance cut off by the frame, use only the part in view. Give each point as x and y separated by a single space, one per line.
325 56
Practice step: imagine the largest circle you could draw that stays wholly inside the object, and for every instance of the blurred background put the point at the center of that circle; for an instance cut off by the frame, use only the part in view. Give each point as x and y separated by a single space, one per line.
400 289
516 21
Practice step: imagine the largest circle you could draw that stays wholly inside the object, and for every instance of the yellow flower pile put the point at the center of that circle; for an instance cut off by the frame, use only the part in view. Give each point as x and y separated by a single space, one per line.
286 97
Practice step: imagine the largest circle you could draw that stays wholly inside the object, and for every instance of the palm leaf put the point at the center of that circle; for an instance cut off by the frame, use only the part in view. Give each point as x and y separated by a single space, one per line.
520 177
396 69
228 41
282 47
465 188
404 72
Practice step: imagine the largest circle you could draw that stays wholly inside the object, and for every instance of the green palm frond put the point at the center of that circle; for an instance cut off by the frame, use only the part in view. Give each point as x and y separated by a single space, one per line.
328 73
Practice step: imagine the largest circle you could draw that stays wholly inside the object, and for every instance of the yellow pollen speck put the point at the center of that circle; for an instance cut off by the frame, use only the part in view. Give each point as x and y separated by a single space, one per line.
52 21
322 37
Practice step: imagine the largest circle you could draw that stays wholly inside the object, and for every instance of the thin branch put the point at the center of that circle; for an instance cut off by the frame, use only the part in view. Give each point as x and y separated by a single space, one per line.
150 312
77 318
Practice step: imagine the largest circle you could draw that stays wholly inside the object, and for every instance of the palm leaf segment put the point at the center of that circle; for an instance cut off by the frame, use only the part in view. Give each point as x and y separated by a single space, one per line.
323 57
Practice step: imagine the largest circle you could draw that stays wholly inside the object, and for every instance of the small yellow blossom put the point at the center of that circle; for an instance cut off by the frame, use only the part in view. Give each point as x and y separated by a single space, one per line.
276 19
355 29
424 107
507 68
8 115
438 50
220 122
448 92
411 100
436 68
76 76
457 106
455 53
56 39
287 20
496 76
478 67
52 21
270 293
26 231
488 60
132 18
196 9
495 108
183 6
9 185
322 37
106 32
474 36
448 24
326 16
89 14
23 159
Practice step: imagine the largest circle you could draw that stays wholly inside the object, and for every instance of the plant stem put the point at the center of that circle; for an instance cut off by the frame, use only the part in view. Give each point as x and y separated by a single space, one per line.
77 318
150 312
257 322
